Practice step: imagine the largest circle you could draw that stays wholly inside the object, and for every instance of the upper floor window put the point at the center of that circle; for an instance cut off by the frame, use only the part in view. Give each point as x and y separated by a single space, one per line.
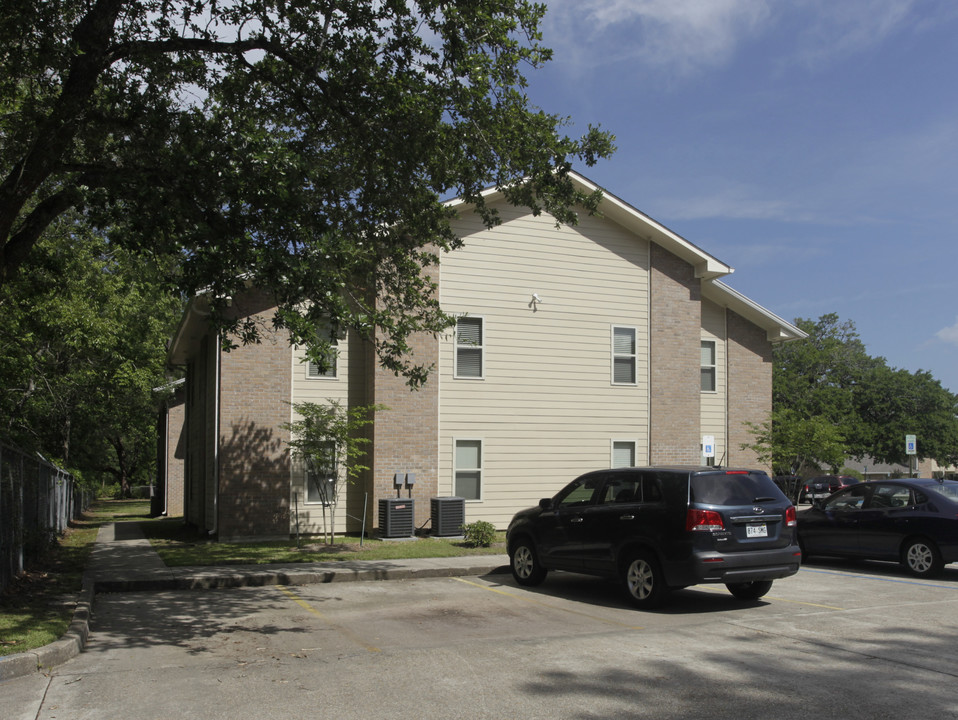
469 347
623 355
708 366
326 369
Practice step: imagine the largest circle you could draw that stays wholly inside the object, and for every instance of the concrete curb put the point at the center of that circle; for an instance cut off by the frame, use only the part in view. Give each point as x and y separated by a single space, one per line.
59 651
213 578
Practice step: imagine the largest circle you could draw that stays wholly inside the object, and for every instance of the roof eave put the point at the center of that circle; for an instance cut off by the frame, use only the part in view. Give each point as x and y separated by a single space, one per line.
776 329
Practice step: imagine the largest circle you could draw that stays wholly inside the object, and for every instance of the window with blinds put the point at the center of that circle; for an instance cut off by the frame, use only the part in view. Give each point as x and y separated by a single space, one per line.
623 453
321 476
708 366
328 367
623 355
469 347
468 469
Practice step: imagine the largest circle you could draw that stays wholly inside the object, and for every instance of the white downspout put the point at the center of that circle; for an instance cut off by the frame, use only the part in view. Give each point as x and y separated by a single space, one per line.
216 436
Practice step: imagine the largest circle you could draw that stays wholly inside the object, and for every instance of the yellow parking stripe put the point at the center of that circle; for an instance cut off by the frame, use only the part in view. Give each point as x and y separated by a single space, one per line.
547 605
345 631
707 588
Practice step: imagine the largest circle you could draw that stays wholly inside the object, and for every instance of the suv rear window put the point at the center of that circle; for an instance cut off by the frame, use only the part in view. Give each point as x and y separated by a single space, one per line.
722 488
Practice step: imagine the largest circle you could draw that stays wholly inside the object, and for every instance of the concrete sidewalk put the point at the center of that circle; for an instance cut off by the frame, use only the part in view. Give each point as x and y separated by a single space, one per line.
124 561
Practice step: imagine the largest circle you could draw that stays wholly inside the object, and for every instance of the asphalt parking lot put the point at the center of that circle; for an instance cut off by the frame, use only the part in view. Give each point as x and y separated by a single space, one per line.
839 639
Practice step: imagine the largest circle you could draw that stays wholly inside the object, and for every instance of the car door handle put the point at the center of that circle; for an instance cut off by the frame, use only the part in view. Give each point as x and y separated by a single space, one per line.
575 520
627 517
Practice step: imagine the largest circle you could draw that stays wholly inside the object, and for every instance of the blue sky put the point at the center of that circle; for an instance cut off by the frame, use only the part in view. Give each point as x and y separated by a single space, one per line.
810 144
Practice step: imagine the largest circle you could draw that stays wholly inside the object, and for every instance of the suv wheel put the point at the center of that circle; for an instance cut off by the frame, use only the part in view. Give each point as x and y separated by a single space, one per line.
644 581
921 557
750 590
525 563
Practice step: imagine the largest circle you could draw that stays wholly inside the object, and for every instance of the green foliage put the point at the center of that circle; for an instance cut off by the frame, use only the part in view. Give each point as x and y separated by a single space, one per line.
831 400
300 148
795 445
83 329
328 435
328 438
479 533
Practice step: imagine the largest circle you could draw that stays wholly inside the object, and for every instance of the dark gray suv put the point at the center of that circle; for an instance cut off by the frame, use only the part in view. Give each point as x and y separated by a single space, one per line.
661 528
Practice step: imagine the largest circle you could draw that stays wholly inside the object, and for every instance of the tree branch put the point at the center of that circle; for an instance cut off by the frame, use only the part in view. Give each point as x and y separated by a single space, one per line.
17 248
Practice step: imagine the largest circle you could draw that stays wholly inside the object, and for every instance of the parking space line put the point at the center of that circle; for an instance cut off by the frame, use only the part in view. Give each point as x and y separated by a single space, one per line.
547 605
345 631
862 576
707 588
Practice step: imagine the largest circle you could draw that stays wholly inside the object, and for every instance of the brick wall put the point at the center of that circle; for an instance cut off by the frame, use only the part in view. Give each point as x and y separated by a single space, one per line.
254 466
199 472
406 437
749 386
675 339
175 455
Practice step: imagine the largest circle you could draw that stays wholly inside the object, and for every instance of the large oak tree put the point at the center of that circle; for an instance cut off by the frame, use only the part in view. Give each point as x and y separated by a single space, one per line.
304 146
831 401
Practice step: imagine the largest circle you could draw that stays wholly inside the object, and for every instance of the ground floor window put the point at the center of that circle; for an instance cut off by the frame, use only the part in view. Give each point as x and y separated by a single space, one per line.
319 488
468 479
321 478
623 453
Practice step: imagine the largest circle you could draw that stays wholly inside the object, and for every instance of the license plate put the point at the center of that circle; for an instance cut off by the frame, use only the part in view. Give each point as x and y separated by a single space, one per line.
756 531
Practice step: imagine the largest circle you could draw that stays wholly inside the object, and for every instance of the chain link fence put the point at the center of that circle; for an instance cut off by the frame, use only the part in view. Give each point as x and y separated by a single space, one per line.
37 502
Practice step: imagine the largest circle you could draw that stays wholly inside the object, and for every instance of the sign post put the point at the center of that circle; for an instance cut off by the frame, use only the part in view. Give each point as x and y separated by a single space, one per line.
911 450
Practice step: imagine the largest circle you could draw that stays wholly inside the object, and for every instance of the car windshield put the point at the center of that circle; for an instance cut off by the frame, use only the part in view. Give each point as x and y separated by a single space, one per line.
733 488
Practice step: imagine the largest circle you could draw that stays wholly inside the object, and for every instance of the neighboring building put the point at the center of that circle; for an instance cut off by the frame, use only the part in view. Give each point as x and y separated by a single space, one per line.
610 343
926 468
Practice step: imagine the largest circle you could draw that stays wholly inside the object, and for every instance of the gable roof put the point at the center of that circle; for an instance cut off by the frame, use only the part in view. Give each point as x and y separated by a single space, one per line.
635 221
707 267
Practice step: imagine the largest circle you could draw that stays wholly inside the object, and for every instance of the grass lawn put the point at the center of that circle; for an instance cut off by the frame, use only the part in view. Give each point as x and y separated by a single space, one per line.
39 606
179 547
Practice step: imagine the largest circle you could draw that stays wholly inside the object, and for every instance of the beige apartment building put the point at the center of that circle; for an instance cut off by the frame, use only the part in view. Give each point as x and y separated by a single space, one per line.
614 342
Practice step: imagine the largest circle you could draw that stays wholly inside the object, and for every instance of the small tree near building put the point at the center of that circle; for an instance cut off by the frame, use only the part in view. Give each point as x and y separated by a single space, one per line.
329 441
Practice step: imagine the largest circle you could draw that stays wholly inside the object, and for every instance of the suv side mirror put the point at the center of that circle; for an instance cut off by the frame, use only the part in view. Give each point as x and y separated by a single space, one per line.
545 503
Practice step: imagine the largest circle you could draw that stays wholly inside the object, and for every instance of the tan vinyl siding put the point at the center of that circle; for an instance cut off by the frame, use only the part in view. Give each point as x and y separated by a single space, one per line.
714 416
546 409
320 390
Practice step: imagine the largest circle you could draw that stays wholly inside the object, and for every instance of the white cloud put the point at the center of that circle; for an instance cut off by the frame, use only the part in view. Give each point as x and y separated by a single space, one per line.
727 202
683 35
949 334
686 36
830 28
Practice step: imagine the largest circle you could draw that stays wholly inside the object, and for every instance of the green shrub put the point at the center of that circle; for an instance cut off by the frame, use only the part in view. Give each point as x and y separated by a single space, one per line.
479 533
112 491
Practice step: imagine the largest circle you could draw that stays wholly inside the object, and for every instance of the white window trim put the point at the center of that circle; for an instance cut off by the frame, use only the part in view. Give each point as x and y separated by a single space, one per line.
481 347
634 355
713 366
480 469
635 451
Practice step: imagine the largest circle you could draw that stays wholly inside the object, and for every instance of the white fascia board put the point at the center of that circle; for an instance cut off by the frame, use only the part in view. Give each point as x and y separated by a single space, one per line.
777 330
192 326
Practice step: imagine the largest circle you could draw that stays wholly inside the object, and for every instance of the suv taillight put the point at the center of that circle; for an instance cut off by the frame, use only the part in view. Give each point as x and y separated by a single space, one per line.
790 518
703 520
